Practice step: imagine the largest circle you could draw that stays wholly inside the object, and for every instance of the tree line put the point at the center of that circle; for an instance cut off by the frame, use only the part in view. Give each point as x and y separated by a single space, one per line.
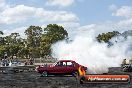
39 40
105 37
37 43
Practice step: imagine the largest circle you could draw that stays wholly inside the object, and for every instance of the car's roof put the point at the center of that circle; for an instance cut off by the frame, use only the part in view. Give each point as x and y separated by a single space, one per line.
67 60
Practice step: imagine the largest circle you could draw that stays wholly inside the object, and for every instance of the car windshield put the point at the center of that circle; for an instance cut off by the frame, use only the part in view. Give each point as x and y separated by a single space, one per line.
54 64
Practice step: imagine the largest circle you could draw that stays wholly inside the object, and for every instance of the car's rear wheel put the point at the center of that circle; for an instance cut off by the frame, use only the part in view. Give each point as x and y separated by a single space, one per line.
44 74
75 74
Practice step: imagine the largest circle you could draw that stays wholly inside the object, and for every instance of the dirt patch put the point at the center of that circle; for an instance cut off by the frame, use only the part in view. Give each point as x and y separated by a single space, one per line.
33 80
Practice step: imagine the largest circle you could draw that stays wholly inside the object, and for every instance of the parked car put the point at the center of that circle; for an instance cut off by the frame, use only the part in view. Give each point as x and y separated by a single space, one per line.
62 67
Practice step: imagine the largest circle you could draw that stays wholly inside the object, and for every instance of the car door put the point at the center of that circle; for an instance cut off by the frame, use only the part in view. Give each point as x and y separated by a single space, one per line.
63 68
59 67
70 67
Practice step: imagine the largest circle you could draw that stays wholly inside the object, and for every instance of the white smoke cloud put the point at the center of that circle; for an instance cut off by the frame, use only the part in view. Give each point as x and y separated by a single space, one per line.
98 57
85 50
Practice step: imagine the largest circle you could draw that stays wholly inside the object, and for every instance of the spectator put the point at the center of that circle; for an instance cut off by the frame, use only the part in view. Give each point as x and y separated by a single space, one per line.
124 61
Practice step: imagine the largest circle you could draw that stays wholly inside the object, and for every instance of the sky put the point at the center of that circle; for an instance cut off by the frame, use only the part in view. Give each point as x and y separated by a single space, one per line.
73 15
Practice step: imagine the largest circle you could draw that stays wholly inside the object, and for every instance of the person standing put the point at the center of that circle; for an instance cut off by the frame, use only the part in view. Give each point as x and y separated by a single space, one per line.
124 62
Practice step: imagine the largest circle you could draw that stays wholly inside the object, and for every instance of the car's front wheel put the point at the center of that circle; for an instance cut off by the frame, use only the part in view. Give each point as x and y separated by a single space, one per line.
44 74
82 79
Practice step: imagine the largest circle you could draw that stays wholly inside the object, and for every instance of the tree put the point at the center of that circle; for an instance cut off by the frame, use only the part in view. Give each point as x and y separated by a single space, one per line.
14 37
2 50
33 40
105 37
52 34
13 49
13 44
33 35
55 33
1 38
23 52
1 33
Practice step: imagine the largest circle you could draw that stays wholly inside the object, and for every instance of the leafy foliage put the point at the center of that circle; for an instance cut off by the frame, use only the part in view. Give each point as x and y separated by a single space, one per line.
54 33
105 37
37 43
33 35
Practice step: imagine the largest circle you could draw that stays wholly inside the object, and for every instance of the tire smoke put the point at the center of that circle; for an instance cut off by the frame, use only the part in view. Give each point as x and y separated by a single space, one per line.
87 51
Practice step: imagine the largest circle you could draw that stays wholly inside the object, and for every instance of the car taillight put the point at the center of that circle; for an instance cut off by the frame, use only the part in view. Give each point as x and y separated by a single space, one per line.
36 69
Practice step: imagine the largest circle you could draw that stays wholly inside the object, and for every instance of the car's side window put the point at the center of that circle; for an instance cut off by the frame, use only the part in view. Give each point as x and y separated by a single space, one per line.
70 64
64 63
61 64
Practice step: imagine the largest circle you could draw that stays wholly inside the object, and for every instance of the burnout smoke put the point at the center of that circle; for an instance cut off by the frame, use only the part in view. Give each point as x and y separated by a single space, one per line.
85 50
